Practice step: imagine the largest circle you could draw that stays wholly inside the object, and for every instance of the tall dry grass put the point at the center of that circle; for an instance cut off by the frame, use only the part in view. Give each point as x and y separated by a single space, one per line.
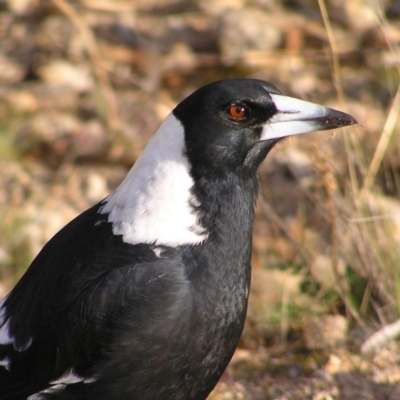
364 218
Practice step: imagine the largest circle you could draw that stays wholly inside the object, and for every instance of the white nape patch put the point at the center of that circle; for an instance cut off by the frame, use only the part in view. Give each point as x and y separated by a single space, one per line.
53 389
294 117
5 337
154 203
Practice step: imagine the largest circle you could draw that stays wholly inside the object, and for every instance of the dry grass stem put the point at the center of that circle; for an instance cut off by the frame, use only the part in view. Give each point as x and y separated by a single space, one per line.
383 144
337 79
109 106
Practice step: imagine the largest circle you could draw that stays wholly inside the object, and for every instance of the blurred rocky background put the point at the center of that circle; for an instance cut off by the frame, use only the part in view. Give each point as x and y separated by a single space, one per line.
84 85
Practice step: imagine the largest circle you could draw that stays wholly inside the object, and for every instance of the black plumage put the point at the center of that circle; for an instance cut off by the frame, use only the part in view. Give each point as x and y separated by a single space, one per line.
144 295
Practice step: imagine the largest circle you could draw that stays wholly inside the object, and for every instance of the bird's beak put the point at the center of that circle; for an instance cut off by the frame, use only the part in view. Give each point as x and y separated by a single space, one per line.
296 116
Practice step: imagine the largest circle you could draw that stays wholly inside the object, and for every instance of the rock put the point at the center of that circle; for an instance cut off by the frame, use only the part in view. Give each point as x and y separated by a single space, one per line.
11 72
32 97
22 6
65 73
360 15
264 4
48 137
21 101
242 30
55 137
322 270
218 7
325 332
90 142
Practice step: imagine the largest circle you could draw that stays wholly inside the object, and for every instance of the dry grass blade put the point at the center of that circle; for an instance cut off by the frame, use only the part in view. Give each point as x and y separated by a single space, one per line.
383 144
109 106
340 286
384 24
334 50
338 85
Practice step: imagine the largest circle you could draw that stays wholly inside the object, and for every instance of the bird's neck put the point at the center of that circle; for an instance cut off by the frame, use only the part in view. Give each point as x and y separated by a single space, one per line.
227 205
227 214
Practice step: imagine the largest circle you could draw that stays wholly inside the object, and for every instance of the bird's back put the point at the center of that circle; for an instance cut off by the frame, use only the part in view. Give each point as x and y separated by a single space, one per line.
138 324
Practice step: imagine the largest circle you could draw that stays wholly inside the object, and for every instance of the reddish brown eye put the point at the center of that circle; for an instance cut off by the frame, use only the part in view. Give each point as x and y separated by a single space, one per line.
237 112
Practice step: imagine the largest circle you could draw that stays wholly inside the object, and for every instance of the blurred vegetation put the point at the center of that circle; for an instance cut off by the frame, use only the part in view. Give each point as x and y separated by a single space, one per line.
83 86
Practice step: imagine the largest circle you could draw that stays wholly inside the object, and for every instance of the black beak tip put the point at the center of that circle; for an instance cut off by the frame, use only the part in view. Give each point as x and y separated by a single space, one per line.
337 119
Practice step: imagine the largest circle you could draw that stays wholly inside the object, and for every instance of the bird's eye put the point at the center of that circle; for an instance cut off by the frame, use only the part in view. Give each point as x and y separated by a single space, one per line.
237 112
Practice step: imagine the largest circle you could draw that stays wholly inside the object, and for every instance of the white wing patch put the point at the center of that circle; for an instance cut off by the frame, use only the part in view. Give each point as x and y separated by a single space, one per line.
53 389
68 378
71 377
5 363
154 203
4 333
5 337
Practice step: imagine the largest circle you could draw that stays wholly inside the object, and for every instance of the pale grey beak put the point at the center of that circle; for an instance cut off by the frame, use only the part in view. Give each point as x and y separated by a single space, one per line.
296 116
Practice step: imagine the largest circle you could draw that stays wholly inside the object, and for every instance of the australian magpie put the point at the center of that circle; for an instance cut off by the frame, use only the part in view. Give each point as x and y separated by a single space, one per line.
144 295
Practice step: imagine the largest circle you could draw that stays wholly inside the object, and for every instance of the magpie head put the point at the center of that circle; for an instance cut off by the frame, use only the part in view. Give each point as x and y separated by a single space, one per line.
231 125
208 148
